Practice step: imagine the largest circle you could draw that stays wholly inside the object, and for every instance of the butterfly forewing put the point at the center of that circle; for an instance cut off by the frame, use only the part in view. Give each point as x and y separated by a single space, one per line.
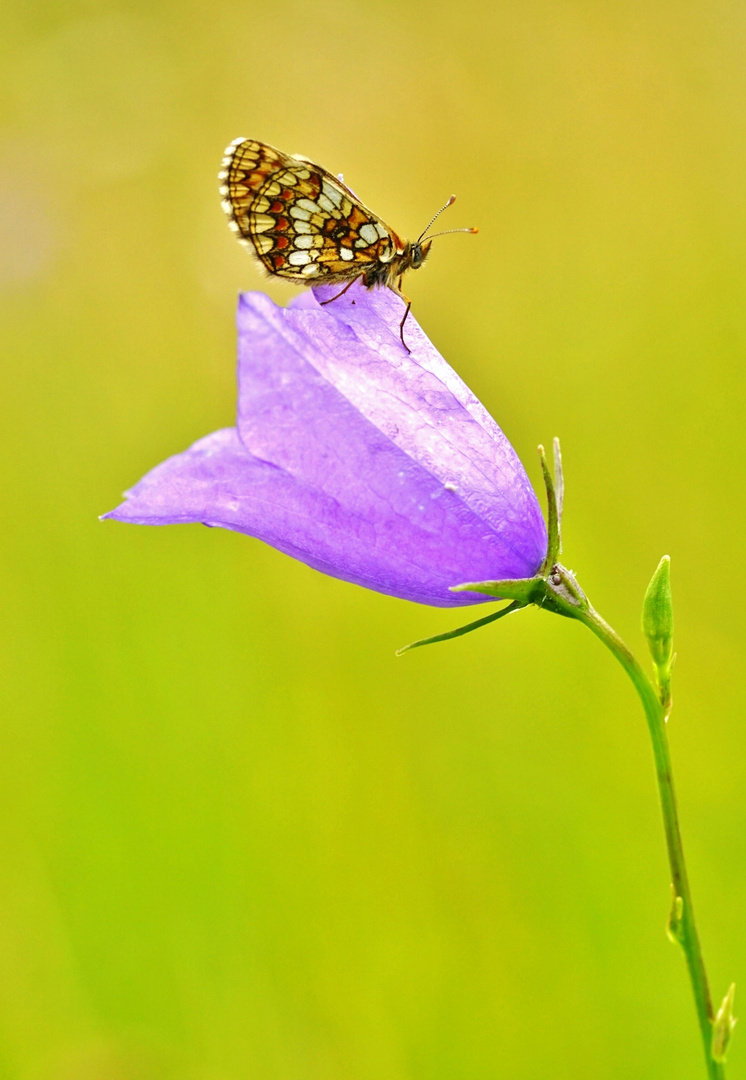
303 223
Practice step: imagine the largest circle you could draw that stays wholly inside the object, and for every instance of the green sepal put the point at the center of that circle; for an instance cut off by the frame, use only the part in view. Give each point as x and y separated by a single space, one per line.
722 1027
559 486
461 630
555 496
526 590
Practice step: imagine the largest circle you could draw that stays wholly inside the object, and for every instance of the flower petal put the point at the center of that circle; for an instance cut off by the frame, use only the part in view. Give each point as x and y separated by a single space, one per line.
218 483
308 377
363 461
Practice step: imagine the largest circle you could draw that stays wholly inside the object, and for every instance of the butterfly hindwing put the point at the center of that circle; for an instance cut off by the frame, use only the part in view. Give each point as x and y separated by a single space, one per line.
304 224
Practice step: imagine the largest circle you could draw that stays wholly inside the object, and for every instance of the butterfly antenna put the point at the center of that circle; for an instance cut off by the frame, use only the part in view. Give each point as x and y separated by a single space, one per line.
471 229
423 235
445 206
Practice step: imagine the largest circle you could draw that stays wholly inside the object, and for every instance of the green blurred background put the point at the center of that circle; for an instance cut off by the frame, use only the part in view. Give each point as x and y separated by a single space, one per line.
238 838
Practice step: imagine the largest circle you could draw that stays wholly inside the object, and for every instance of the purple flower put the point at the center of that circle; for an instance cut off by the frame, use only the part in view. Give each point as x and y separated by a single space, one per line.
368 463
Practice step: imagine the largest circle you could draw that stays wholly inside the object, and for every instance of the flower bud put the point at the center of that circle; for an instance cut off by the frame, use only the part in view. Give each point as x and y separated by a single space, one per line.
722 1026
657 620
675 925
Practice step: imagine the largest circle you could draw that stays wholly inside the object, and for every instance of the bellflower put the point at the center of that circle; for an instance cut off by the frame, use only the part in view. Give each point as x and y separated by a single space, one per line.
364 461
379 466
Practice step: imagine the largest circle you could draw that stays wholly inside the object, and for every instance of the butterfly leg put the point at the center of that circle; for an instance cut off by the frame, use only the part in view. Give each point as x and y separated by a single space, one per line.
408 302
349 283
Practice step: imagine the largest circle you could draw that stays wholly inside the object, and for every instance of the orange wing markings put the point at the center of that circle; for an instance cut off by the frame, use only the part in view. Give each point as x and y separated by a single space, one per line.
304 224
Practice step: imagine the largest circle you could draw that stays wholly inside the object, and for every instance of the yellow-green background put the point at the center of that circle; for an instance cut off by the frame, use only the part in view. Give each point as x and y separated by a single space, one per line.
239 840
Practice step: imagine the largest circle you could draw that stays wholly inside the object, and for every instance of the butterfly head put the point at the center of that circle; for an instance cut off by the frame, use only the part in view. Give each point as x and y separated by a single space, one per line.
415 254
410 257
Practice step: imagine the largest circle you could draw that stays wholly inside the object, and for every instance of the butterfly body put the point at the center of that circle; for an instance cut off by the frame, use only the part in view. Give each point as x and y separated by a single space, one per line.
305 225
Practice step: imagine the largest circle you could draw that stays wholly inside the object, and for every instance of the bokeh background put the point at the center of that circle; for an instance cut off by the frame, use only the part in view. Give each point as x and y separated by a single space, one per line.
239 840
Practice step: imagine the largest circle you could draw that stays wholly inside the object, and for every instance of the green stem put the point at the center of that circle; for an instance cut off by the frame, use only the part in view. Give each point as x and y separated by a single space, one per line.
685 928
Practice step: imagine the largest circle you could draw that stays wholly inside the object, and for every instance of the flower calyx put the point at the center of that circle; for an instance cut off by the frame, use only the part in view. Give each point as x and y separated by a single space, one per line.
553 587
564 595
556 591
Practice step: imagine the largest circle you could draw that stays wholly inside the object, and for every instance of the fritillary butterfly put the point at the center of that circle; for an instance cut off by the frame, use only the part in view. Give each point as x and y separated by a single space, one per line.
306 226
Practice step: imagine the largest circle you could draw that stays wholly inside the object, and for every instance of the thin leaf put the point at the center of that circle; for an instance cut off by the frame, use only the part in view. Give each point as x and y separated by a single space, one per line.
515 606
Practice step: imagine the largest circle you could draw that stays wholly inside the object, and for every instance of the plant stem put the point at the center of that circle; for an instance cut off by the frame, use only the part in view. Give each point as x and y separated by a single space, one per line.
685 928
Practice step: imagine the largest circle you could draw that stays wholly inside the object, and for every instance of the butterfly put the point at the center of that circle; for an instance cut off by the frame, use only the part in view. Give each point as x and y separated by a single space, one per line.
307 226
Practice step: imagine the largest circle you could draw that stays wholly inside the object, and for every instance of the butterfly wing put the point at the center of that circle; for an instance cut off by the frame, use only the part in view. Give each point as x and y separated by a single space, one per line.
304 224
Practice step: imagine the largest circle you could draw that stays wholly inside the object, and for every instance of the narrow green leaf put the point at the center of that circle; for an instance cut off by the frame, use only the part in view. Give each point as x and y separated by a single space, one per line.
515 606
